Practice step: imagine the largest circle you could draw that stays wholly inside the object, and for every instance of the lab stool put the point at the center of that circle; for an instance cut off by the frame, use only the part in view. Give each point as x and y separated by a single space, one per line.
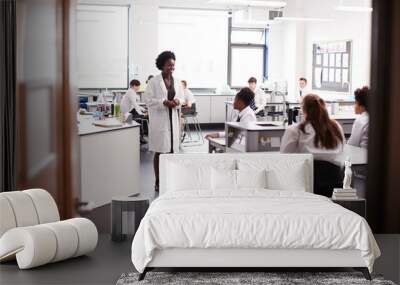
142 121
126 214
190 118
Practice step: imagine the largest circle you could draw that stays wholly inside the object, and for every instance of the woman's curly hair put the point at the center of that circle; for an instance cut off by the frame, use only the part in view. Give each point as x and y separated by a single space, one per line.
163 57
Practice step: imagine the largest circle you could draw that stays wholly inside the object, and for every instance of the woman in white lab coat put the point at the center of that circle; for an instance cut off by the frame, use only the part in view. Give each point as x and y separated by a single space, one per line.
164 96
359 132
317 134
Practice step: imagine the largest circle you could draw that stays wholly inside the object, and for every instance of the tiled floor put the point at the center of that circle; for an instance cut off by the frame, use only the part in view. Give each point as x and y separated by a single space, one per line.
105 265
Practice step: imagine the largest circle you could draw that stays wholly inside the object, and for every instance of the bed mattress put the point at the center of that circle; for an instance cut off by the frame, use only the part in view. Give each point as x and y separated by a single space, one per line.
250 219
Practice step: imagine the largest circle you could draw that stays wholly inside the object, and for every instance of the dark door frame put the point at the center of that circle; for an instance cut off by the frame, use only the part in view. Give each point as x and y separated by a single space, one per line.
383 180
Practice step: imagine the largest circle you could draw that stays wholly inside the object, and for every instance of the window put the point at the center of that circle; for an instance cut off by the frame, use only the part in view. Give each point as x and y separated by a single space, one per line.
246 62
248 50
199 40
332 66
102 46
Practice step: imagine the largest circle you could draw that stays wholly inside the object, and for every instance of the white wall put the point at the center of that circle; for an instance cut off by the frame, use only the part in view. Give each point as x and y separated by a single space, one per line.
145 39
345 26
291 43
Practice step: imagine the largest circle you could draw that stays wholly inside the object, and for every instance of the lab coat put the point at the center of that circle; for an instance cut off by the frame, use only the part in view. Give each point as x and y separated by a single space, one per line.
188 97
247 115
295 141
130 102
359 132
260 99
159 125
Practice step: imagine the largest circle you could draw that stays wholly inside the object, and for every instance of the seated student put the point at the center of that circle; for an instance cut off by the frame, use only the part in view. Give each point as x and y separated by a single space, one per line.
317 134
260 98
188 106
129 104
359 132
245 114
189 99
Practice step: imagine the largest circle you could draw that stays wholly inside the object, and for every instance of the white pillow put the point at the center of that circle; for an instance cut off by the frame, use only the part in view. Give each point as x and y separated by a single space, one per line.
251 178
223 179
183 177
281 174
291 179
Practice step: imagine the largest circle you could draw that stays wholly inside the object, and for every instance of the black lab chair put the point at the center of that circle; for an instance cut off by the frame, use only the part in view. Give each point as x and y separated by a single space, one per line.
326 177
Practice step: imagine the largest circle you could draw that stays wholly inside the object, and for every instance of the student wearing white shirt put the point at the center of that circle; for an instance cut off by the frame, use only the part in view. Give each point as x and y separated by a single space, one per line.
188 106
245 114
129 104
302 92
317 134
188 95
260 98
359 132
303 88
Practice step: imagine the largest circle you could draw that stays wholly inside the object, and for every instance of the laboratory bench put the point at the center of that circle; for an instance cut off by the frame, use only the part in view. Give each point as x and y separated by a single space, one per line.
266 137
109 159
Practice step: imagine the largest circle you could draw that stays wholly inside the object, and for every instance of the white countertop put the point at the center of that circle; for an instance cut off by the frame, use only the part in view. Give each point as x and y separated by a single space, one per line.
86 127
258 126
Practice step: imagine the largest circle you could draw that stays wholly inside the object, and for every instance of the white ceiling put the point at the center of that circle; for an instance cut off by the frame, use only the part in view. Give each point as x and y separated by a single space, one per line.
291 4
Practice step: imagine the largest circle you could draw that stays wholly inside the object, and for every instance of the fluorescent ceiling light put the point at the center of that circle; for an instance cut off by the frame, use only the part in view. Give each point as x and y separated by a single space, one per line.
252 3
301 19
252 23
353 8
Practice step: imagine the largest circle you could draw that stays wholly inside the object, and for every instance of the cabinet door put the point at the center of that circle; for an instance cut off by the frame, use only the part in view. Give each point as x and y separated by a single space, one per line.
203 108
218 109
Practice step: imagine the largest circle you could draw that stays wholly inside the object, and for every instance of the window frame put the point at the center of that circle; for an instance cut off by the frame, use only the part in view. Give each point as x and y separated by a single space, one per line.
231 46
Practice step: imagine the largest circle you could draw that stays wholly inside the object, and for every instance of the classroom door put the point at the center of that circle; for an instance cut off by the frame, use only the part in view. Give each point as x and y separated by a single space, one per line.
46 125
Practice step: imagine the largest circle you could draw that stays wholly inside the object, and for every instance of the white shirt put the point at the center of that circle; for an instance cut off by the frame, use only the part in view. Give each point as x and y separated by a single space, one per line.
295 141
302 92
130 102
260 99
188 96
247 115
359 132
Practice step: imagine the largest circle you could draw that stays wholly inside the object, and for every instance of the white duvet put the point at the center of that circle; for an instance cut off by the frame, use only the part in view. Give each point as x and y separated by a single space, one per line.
250 219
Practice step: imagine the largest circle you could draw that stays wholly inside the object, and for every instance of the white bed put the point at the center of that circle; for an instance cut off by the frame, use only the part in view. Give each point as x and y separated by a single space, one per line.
201 219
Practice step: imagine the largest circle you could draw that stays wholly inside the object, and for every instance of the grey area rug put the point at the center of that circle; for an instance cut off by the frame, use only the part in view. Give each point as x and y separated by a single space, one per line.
243 278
